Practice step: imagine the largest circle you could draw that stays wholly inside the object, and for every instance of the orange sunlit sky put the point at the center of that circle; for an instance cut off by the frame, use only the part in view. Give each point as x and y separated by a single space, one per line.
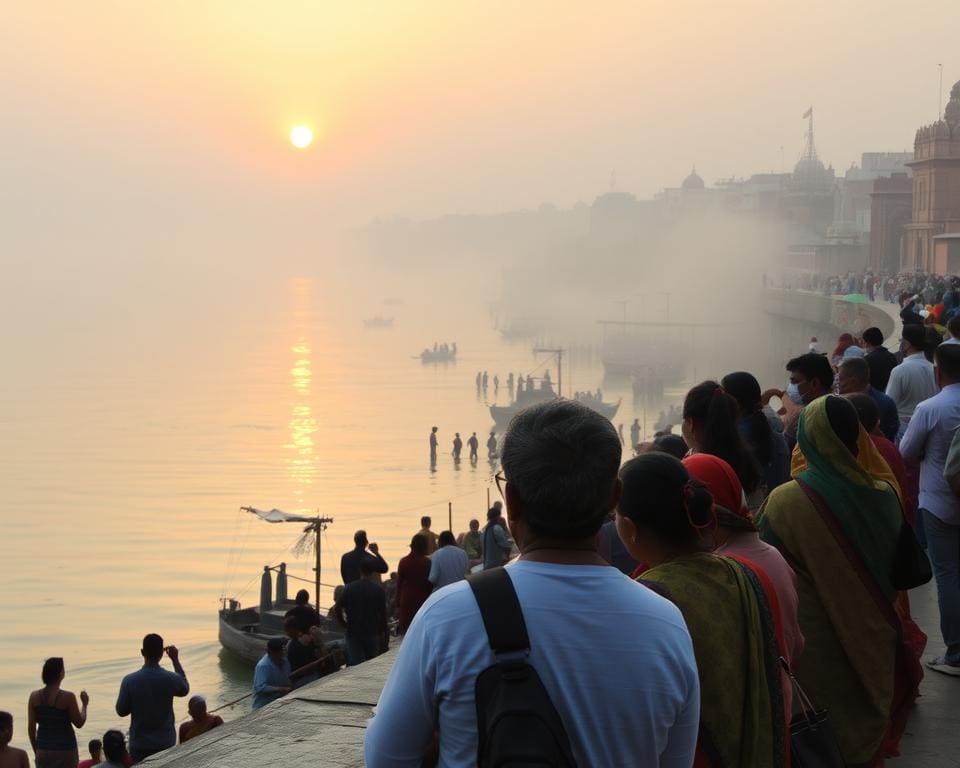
152 112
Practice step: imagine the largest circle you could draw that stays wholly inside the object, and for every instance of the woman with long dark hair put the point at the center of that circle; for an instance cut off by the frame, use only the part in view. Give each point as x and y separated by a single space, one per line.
761 430
668 521
52 714
710 426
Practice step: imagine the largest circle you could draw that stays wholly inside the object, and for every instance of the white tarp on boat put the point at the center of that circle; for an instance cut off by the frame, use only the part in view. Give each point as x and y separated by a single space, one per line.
278 516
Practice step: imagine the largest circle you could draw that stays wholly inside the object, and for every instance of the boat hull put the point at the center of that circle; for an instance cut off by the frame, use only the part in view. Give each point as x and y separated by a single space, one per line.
503 413
241 634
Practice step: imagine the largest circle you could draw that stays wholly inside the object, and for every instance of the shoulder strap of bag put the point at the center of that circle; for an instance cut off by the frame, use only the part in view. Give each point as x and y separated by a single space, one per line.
500 610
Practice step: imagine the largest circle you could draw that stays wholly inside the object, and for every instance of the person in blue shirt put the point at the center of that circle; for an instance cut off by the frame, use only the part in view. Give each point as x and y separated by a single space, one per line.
147 696
271 678
853 376
614 657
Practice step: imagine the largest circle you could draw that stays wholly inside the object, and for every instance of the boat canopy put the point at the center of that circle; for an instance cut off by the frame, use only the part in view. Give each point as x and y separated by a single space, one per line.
279 516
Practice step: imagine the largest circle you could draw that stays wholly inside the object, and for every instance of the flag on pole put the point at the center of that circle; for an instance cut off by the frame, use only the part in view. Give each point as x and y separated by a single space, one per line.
808 112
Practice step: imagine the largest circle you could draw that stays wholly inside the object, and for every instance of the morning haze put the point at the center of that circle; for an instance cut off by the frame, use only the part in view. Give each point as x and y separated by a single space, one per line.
198 315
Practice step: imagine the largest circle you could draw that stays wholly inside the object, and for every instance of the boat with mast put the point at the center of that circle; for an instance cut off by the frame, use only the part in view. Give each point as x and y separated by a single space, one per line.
531 396
245 631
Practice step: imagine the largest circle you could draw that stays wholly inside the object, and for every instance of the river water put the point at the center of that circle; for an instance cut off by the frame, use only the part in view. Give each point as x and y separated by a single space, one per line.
136 422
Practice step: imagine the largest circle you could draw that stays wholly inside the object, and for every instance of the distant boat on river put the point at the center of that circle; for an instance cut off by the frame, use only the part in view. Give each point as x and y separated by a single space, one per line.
378 322
503 413
439 354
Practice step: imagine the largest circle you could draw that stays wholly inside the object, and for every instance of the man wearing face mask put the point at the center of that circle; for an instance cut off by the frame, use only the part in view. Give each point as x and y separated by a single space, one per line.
912 381
810 377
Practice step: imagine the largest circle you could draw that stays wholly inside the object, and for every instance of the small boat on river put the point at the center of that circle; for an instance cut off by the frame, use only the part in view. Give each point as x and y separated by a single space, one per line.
378 322
441 353
245 631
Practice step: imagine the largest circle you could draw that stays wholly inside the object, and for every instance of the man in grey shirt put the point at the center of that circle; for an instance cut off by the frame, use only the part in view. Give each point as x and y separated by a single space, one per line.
449 563
147 696
496 548
912 381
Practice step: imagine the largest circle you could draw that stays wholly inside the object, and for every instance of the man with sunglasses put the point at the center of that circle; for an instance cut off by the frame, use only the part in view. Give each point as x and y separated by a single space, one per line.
614 658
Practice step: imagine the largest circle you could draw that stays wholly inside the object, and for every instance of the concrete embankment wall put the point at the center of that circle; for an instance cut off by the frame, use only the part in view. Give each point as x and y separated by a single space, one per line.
320 724
816 310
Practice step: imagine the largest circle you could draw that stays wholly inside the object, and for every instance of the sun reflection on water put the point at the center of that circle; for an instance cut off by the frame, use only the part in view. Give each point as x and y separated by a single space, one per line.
302 456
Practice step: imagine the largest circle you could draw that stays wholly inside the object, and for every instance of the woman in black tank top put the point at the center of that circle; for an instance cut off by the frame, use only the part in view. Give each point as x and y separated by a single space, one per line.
52 713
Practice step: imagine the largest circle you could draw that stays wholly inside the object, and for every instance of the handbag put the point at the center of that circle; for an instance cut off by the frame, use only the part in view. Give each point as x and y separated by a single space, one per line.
812 742
911 566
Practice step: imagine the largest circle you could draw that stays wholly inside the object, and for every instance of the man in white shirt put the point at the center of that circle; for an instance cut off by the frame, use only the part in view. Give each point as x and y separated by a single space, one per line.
615 659
912 381
449 563
927 441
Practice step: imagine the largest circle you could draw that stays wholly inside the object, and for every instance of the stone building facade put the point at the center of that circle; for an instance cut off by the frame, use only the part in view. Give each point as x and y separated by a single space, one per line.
936 188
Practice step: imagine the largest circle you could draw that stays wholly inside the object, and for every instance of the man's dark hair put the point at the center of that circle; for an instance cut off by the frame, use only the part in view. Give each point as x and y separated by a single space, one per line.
360 538
291 622
6 720
52 669
275 644
813 367
426 522
493 514
152 646
867 410
114 747
303 597
873 336
948 361
858 368
561 460
915 335
446 538
953 325
94 746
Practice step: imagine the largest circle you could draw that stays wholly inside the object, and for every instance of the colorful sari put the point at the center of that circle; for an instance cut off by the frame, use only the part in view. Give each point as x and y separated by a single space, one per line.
838 526
733 619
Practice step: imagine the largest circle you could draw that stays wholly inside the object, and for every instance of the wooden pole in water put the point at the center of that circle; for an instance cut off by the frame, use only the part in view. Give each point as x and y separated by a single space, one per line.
488 497
450 516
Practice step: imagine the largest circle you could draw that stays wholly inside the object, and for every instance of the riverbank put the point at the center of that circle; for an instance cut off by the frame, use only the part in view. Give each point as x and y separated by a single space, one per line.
326 720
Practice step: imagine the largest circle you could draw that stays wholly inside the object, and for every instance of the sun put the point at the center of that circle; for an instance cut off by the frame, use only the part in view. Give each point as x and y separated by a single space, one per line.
301 136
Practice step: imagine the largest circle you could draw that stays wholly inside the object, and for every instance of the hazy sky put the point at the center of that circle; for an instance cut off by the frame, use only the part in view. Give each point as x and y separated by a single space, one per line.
125 118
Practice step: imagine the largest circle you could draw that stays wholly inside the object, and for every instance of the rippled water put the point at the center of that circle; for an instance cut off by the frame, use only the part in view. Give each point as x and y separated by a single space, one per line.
132 435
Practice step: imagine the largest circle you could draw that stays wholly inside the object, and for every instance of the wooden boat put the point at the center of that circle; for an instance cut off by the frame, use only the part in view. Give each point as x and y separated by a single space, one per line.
378 322
245 631
529 396
439 355
503 413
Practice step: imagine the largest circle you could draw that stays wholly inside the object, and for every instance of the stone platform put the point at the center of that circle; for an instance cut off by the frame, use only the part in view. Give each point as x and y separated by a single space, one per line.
324 722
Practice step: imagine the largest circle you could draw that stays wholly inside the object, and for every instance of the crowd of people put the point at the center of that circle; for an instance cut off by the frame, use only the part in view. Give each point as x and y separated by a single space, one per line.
146 696
473 447
764 548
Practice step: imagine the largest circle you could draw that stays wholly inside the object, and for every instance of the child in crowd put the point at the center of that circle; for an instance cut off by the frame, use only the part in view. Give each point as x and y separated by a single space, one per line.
10 757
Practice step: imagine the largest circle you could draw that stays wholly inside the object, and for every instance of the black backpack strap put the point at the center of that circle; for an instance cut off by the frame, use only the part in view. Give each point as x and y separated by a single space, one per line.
500 610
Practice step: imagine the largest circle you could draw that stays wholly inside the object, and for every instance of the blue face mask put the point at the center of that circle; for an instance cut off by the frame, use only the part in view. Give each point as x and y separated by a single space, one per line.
793 392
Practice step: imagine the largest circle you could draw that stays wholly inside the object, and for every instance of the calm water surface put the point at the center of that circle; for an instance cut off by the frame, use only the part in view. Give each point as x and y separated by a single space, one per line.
132 434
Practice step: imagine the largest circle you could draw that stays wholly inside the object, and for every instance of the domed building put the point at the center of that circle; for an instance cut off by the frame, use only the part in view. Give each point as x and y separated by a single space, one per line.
933 235
693 182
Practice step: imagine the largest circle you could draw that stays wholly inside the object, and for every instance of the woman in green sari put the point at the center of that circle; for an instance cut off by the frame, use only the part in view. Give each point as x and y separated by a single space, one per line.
667 520
837 527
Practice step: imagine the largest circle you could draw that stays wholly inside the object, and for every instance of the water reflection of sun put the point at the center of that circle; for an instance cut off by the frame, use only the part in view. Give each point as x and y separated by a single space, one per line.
302 462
